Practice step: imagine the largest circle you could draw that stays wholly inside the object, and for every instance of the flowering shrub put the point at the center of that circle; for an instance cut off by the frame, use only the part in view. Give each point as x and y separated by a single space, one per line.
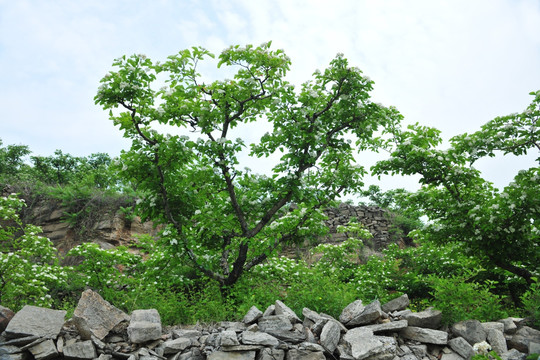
29 267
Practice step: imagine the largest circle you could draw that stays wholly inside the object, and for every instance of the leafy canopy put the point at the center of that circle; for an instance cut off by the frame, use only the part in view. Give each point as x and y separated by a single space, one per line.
500 226
223 216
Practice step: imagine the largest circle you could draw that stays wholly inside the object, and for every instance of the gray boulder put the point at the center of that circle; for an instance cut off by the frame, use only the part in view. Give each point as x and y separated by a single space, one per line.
397 304
271 354
330 335
423 335
80 351
236 355
388 326
275 323
145 325
521 339
45 350
176 345
369 314
351 311
513 354
282 309
95 316
496 339
462 347
429 318
361 343
510 326
297 354
258 338
470 330
229 338
35 321
252 315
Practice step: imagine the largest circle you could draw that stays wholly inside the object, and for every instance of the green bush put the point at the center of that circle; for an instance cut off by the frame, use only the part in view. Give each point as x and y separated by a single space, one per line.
531 303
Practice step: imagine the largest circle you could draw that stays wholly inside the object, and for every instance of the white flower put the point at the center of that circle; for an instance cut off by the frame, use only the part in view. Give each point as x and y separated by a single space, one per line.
482 347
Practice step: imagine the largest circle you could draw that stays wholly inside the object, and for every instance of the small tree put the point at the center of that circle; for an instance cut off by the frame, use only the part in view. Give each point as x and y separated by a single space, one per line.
222 216
500 227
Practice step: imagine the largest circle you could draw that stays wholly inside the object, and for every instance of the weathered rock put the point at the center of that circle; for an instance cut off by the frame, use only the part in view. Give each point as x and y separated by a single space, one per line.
237 326
429 318
238 348
369 314
226 355
275 323
493 325
44 350
534 347
419 350
389 326
513 354
229 338
521 339
145 326
428 336
462 347
10 352
80 350
330 335
451 356
293 336
496 339
271 354
96 316
258 338
470 330
310 346
361 343
5 317
35 321
176 345
351 311
192 354
510 326
186 333
399 303
282 309
252 315
270 310
297 354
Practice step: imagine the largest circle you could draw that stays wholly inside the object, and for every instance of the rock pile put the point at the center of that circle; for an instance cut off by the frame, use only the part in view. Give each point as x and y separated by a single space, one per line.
387 332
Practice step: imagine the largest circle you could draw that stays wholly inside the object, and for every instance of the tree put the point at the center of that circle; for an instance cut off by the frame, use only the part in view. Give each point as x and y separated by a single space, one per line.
500 227
12 159
222 216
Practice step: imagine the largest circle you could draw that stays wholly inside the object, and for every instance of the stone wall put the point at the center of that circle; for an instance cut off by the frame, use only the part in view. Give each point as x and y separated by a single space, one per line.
362 332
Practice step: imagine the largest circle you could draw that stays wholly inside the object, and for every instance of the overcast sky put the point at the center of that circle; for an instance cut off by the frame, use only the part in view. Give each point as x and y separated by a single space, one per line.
449 64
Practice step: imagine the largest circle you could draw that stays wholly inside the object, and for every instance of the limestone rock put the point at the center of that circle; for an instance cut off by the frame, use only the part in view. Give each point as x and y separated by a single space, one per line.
282 309
428 336
259 338
330 335
462 347
369 314
510 326
389 326
362 343
35 321
429 318
470 330
397 304
513 354
297 354
252 315
96 316
496 339
271 354
80 351
44 350
521 339
275 323
351 311
186 333
451 356
176 345
225 355
493 325
229 338
145 326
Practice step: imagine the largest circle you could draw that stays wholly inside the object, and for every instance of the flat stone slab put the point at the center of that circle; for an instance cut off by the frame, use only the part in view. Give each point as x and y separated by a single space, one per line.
429 336
45 350
84 350
259 338
389 326
396 304
429 318
228 355
36 321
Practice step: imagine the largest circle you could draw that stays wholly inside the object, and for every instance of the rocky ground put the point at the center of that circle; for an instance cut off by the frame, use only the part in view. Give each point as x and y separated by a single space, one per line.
387 332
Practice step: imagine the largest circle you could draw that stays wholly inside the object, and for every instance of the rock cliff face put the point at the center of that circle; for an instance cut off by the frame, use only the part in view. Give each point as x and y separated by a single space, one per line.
111 227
